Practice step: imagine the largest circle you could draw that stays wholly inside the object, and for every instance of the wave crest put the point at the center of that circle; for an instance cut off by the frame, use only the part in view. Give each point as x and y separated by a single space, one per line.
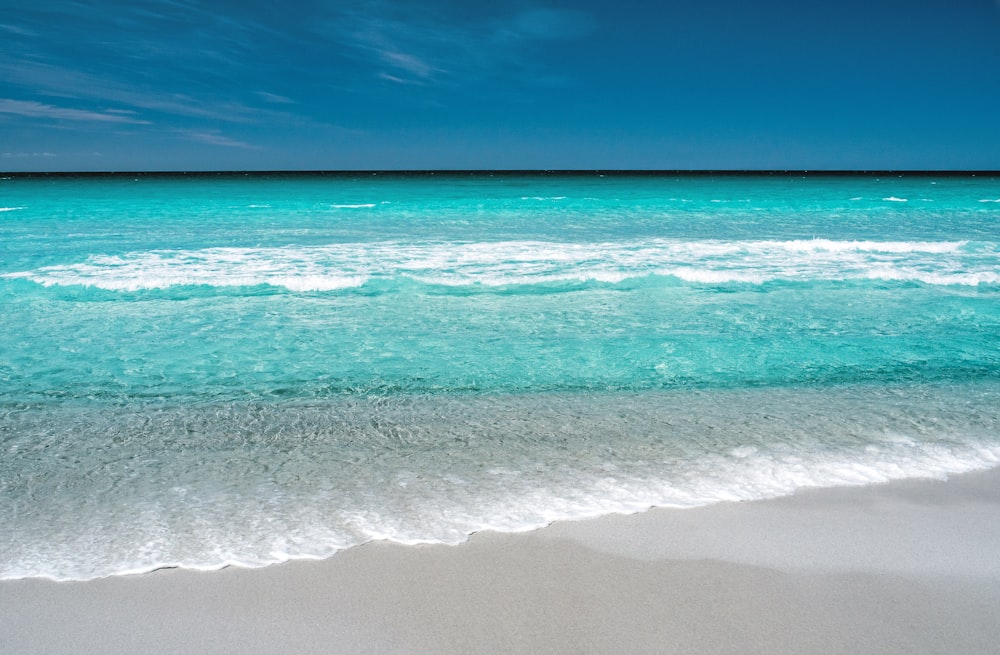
349 265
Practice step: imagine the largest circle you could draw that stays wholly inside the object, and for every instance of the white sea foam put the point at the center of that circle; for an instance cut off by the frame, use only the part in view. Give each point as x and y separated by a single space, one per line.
340 266
364 205
10 209
543 197
911 275
895 199
309 480
815 245
709 276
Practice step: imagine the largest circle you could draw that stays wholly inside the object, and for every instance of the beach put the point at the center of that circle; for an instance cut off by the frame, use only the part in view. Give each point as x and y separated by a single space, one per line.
905 567
430 413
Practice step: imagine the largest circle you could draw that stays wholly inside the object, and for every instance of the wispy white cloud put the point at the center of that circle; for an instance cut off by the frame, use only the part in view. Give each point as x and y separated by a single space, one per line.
191 67
59 81
397 80
16 29
274 98
20 155
405 45
32 109
215 138
407 62
396 49
49 79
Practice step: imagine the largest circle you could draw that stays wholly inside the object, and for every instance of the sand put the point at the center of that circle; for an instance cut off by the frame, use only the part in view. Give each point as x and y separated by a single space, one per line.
907 567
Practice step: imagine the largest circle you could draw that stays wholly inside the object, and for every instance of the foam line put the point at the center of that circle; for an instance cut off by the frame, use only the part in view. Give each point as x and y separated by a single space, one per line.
342 266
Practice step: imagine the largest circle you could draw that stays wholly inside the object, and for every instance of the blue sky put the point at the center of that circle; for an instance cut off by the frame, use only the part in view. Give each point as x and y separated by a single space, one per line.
421 84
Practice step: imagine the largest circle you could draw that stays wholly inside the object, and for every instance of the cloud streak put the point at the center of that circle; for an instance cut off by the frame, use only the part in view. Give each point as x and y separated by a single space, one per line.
65 82
21 155
15 29
32 109
409 63
274 98
215 138
436 49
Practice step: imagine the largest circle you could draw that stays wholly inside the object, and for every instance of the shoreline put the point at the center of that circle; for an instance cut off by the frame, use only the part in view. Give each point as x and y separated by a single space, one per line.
906 566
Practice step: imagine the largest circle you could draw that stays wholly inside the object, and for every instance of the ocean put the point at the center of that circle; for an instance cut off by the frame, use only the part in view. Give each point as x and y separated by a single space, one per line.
209 370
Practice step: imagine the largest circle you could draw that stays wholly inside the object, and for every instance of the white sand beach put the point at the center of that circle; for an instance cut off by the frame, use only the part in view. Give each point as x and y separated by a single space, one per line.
906 567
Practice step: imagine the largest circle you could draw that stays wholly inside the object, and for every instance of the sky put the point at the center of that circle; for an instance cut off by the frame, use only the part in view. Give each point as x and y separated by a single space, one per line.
95 85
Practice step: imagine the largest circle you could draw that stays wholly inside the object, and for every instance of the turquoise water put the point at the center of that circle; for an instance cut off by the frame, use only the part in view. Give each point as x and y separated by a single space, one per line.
209 370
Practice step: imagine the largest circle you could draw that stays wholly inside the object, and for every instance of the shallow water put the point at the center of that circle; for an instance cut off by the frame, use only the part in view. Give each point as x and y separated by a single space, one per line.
226 369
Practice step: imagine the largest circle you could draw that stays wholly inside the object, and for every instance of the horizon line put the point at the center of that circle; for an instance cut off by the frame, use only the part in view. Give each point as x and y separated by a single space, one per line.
514 171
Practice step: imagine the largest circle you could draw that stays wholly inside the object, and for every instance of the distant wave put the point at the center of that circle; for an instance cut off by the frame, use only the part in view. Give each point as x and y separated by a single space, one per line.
10 209
365 205
342 266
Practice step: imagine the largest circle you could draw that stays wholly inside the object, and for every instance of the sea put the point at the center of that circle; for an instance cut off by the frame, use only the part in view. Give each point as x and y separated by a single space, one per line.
240 369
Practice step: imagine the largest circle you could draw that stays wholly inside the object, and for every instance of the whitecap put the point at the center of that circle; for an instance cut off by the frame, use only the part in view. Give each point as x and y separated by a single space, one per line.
710 276
866 246
341 266
943 279
895 199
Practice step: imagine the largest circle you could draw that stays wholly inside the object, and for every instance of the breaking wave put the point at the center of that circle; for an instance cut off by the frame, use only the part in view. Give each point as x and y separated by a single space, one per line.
351 265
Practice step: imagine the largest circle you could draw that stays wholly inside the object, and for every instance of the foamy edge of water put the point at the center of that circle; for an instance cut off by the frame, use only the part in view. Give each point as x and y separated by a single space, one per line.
834 477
